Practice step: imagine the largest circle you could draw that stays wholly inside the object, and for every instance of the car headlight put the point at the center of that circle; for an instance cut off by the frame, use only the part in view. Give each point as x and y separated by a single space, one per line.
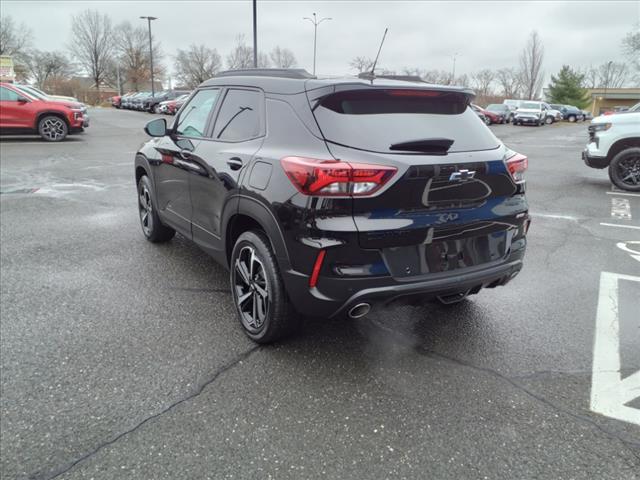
600 127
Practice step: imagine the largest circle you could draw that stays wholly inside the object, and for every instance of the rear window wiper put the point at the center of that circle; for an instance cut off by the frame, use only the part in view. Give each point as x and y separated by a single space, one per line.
436 146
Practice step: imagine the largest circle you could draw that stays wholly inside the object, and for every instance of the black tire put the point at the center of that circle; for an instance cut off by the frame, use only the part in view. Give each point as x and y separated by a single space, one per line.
487 121
624 169
548 120
260 287
152 227
572 118
53 128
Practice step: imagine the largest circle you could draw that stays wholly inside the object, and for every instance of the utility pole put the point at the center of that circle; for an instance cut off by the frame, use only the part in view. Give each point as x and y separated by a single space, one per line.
315 22
255 34
453 71
153 89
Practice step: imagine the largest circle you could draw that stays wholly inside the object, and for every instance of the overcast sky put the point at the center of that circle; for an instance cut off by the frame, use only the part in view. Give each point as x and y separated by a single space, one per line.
421 34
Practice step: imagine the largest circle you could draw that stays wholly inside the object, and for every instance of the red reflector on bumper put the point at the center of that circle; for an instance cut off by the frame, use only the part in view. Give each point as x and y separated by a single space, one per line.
313 280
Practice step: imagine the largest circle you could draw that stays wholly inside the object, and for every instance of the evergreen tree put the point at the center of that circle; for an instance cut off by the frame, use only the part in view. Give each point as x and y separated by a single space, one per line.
567 88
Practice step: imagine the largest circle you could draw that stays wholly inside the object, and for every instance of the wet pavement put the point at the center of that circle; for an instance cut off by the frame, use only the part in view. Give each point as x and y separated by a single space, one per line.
123 359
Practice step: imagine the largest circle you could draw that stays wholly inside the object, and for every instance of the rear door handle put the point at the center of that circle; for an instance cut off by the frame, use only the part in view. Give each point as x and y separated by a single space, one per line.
234 163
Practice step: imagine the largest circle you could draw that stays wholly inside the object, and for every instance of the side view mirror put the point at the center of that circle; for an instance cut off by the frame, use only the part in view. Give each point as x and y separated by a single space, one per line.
156 128
22 99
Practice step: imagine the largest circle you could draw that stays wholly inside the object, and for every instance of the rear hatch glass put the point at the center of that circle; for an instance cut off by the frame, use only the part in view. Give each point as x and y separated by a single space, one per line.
376 119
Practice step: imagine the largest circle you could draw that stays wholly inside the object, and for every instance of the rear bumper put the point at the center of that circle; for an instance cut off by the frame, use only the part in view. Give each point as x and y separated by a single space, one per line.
335 296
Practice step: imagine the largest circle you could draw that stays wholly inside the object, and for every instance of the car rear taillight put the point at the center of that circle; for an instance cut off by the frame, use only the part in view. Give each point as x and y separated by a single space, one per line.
517 164
313 176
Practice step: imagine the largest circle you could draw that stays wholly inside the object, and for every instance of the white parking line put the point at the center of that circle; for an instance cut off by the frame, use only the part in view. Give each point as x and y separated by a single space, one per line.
556 216
617 225
609 392
624 194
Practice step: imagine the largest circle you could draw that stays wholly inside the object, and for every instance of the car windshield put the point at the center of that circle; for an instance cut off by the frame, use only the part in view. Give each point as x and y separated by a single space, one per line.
496 107
530 105
34 93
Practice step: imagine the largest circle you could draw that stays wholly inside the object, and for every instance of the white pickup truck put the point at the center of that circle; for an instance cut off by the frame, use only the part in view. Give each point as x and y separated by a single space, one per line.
614 143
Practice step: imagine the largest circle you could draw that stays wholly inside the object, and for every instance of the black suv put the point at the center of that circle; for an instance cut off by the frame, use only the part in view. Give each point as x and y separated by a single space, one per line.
151 103
327 196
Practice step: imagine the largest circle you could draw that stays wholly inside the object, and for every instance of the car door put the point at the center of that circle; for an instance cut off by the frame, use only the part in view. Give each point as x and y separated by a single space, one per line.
14 113
222 158
172 173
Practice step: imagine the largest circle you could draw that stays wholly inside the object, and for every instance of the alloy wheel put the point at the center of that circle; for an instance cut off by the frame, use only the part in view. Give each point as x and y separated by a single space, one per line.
251 289
629 170
53 128
145 209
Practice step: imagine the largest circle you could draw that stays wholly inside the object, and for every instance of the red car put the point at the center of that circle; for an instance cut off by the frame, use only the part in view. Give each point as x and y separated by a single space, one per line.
489 116
115 101
53 120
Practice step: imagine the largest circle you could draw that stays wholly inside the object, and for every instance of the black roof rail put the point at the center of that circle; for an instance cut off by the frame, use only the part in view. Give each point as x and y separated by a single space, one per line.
297 73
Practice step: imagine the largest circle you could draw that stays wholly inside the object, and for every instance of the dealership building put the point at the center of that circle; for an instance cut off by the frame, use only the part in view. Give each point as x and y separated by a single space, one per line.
607 99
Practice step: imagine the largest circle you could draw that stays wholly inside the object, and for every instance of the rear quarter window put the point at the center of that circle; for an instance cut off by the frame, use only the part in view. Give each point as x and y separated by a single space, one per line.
373 120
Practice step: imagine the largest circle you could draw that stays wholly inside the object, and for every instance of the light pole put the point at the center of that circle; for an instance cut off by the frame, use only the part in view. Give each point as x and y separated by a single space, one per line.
453 70
153 89
255 34
606 80
315 22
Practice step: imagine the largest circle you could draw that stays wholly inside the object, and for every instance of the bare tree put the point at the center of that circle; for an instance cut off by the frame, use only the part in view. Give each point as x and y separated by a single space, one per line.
509 81
197 64
132 47
282 57
482 81
462 80
413 71
361 64
46 66
15 40
609 74
531 66
241 56
263 59
590 77
440 77
631 50
92 43
612 75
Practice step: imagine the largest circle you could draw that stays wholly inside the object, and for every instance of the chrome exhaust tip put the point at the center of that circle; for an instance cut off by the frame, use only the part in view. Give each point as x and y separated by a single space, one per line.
360 310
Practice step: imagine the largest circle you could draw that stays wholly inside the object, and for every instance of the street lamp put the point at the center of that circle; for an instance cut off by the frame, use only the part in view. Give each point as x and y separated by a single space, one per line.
453 71
153 90
315 22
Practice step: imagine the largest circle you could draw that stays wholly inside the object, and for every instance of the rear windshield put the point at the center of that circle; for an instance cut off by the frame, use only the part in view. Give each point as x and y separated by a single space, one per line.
374 120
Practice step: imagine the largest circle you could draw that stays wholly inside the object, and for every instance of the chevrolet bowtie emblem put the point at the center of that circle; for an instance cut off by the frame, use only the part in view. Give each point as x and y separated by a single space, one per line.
462 176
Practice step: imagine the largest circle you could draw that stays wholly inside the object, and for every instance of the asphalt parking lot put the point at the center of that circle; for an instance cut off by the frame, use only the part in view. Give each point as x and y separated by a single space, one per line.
122 359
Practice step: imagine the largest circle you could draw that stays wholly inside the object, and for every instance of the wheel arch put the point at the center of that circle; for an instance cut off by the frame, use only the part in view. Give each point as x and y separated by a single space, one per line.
54 113
621 145
251 214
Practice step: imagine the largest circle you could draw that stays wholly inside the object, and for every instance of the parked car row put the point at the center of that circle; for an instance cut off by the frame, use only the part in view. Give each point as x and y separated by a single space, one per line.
27 110
161 102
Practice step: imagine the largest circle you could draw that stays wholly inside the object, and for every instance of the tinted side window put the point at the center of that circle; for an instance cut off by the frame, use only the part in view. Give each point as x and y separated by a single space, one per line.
239 117
7 95
194 115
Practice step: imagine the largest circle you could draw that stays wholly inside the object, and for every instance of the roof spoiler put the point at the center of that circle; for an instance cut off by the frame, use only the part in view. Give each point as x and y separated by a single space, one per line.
296 73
